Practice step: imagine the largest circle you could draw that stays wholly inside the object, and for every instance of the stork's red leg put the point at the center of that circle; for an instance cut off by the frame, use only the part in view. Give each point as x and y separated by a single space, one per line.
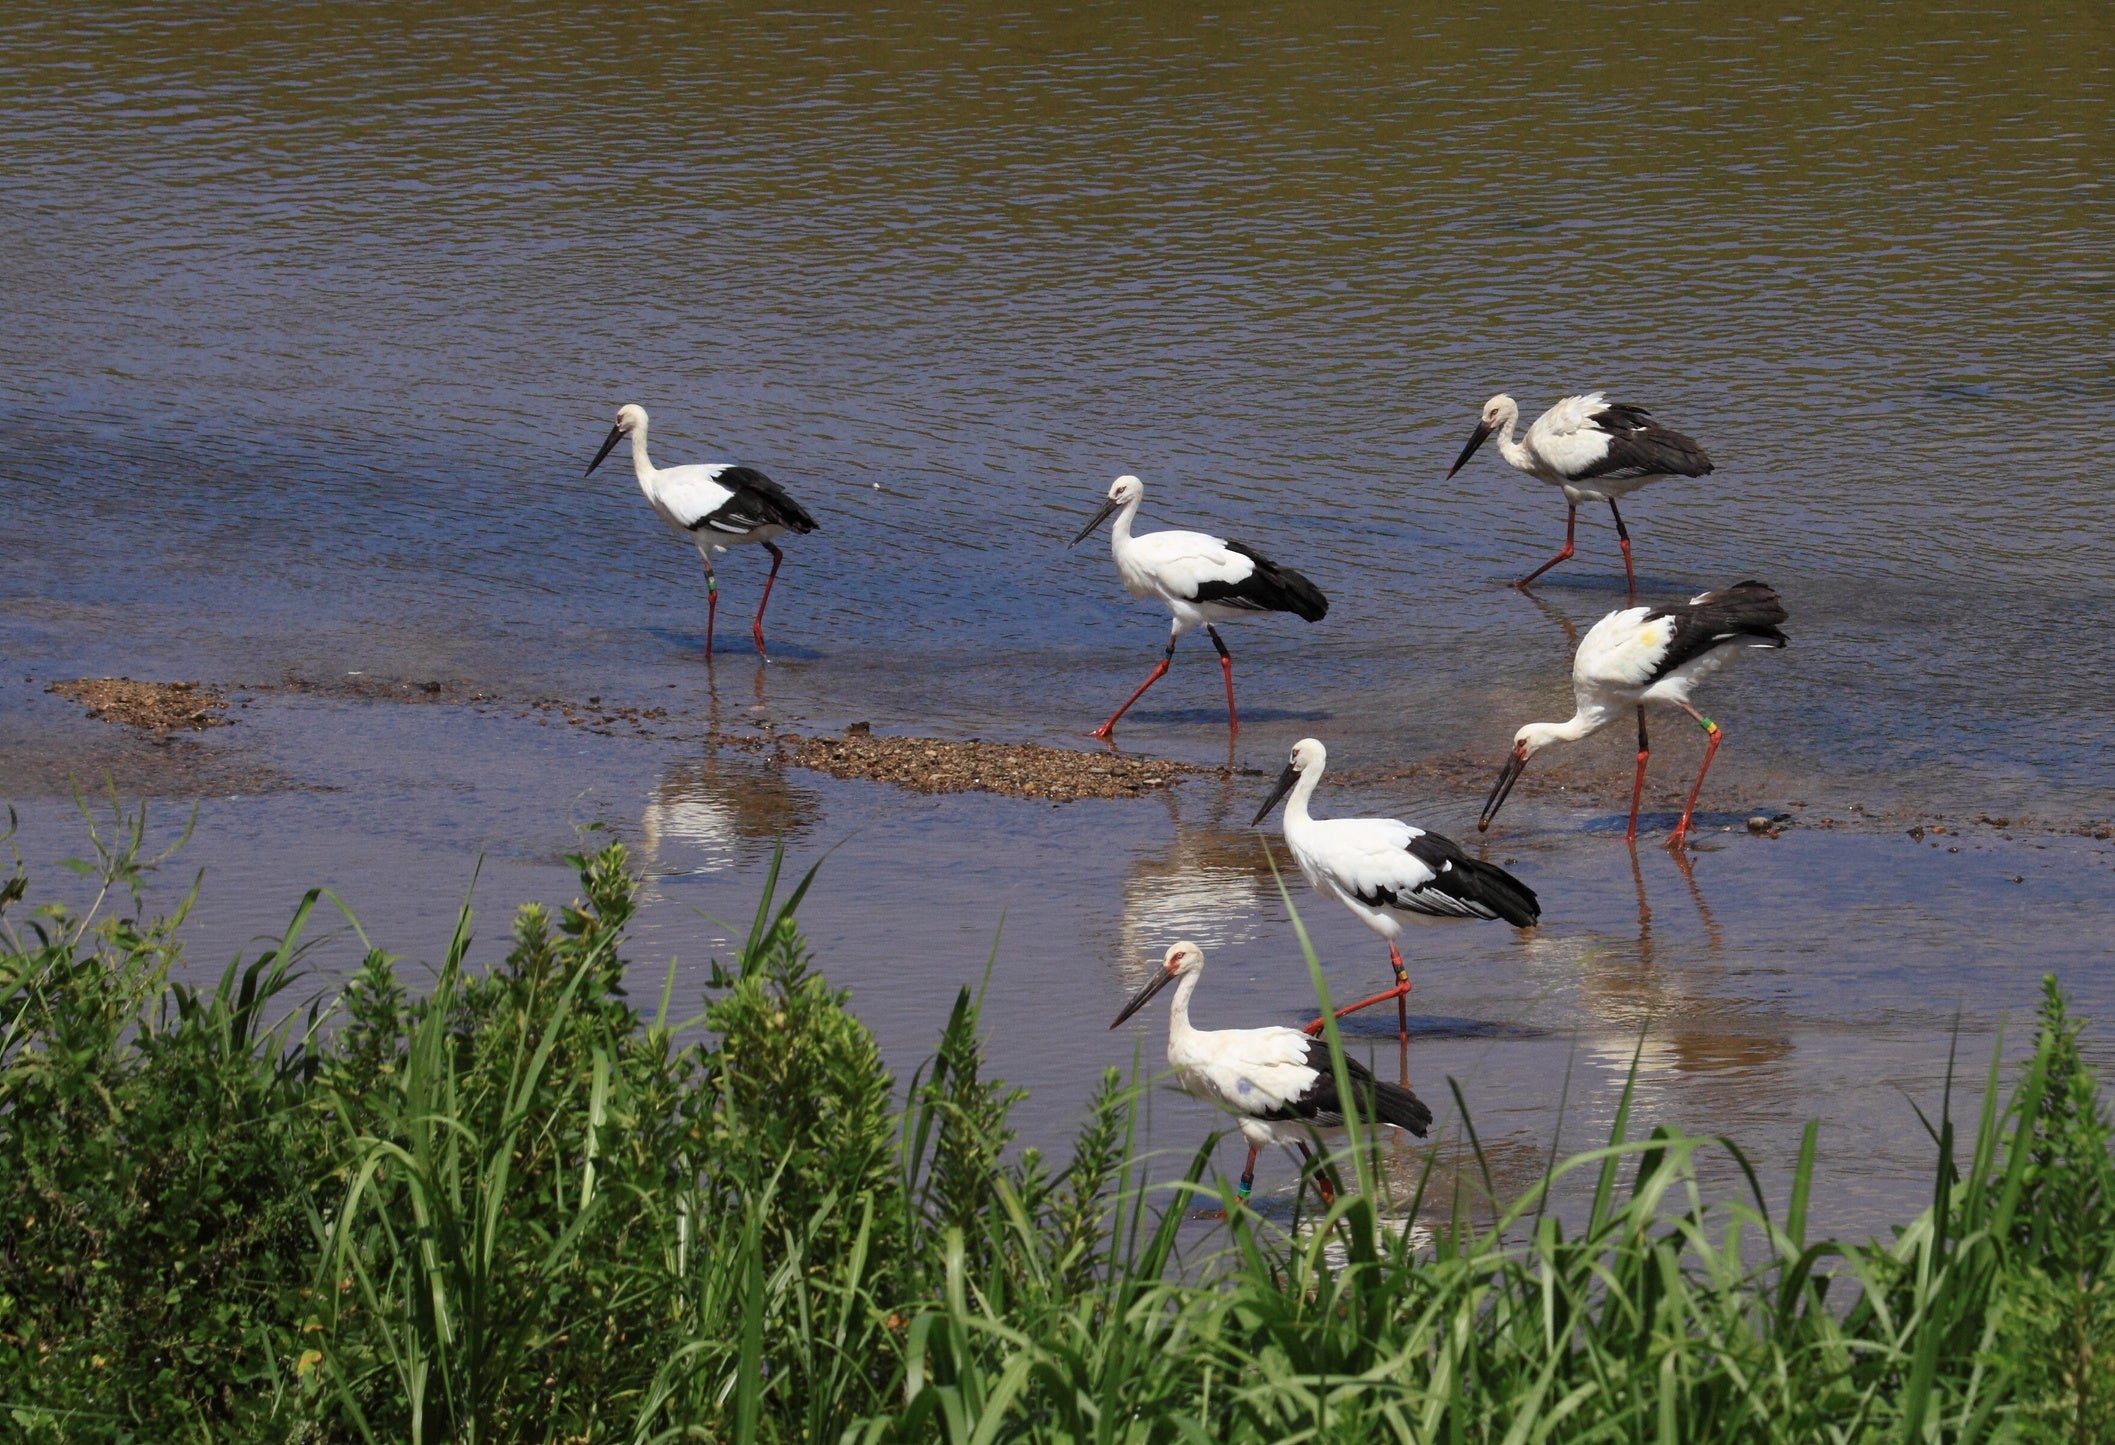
1399 993
756 628
1402 995
712 605
1329 1195
1108 729
1571 520
1226 662
1248 1182
1711 729
1630 578
1637 789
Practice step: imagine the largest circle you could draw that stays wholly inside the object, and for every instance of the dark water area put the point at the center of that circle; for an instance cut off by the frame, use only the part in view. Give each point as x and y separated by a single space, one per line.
314 316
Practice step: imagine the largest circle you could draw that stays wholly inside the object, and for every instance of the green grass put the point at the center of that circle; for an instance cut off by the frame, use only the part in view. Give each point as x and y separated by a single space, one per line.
518 1207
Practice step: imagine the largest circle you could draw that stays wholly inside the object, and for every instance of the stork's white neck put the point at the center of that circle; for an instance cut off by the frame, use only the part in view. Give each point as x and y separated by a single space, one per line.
1120 533
642 465
1296 802
1588 718
1516 454
1180 1030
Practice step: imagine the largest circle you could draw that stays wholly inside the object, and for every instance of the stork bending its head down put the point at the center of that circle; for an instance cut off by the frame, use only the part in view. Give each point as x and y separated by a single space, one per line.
1651 654
1275 1081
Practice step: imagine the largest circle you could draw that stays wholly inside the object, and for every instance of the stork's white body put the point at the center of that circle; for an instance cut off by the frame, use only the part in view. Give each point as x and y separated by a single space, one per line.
713 506
1564 447
1343 857
1174 567
1638 655
1203 580
1619 665
1615 666
1361 861
688 498
1250 1073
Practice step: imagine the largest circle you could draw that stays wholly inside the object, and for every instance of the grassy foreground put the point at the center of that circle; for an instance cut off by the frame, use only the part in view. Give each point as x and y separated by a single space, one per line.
518 1208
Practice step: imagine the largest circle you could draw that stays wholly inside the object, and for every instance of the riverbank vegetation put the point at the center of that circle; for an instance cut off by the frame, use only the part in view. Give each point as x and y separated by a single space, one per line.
515 1205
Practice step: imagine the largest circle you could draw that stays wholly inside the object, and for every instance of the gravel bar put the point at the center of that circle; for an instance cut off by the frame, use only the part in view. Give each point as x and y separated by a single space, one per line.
934 765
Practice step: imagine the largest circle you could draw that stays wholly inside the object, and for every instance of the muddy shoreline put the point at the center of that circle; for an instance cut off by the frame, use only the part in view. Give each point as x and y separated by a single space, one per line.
157 741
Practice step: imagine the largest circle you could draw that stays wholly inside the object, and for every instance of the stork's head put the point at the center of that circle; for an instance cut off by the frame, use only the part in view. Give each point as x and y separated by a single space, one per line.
1308 756
1181 960
1123 492
1529 741
631 417
1501 410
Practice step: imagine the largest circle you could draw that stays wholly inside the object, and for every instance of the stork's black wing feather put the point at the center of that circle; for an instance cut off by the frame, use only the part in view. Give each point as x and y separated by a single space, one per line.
1486 887
1460 887
1747 613
1638 446
1379 1101
1267 588
757 502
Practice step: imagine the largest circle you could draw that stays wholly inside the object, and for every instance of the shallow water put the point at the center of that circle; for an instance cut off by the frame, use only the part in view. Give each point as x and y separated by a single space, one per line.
1823 974
315 315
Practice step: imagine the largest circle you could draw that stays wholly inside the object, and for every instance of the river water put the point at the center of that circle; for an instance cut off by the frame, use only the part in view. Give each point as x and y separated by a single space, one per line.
314 315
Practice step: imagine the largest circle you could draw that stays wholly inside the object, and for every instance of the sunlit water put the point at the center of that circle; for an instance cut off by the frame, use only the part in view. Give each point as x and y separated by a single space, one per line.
315 315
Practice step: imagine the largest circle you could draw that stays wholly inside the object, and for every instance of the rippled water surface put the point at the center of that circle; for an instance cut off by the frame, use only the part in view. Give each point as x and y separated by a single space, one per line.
315 313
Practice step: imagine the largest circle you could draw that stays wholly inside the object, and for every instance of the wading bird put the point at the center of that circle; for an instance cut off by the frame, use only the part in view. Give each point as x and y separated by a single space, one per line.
1275 1081
715 506
1202 579
1595 449
1651 654
1386 871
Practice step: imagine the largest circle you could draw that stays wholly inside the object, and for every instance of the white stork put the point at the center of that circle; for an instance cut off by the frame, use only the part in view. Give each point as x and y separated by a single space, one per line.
1651 654
714 506
1202 579
1595 449
1275 1081
1386 871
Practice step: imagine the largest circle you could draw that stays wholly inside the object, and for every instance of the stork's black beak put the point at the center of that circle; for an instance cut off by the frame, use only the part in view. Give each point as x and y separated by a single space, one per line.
609 444
1507 776
1099 517
1476 439
1162 977
1278 790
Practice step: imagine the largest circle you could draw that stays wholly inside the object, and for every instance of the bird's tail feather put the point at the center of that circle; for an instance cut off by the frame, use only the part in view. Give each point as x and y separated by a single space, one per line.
1501 892
1277 589
1393 1104
1748 609
1302 597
